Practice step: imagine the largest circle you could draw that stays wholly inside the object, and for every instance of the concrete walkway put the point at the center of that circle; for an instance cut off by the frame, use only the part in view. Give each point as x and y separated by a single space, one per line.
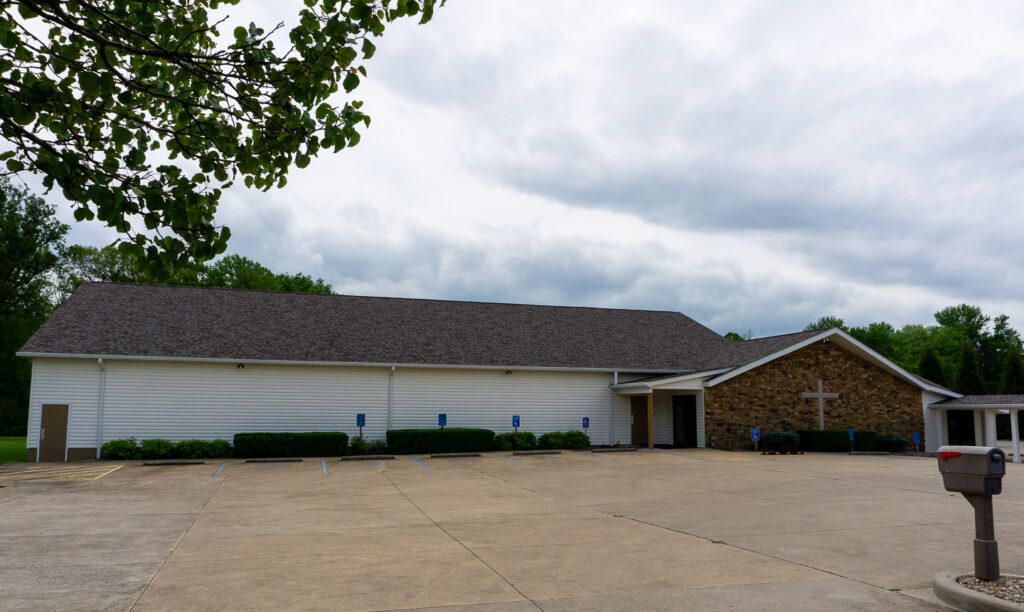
687 529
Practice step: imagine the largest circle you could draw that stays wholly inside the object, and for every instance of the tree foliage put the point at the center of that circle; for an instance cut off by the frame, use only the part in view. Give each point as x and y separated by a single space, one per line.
930 366
1013 373
968 378
826 322
231 272
141 112
31 245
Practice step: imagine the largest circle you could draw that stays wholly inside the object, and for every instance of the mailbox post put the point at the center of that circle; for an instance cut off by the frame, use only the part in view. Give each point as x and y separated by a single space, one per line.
977 472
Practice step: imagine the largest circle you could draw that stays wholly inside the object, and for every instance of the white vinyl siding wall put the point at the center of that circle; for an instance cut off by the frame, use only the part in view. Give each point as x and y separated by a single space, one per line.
544 401
74 382
177 401
182 400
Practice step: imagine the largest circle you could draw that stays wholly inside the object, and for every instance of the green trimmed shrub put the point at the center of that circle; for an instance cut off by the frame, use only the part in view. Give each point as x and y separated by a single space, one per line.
219 448
892 444
551 440
362 447
291 444
864 440
449 440
835 440
523 440
120 450
575 439
564 439
202 449
156 448
781 441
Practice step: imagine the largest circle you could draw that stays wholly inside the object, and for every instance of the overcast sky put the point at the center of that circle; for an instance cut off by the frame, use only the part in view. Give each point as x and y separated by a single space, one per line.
751 164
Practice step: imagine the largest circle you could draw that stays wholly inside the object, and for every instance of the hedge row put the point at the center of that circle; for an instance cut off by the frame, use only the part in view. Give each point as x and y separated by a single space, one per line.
334 444
450 440
291 444
785 441
829 440
525 440
165 449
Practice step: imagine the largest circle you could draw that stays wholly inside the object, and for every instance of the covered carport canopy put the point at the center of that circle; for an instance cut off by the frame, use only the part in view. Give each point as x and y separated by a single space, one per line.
1011 404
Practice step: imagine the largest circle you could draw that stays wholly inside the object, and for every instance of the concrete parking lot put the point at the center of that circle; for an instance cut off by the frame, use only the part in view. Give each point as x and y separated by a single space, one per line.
661 530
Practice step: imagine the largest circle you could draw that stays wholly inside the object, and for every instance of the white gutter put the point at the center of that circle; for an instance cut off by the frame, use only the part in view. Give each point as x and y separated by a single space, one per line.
33 354
391 392
99 408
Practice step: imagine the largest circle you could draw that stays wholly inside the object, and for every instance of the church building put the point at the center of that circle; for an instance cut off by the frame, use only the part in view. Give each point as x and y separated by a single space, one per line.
150 361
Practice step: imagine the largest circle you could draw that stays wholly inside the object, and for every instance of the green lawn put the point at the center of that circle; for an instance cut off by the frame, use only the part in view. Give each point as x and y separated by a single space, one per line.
12 449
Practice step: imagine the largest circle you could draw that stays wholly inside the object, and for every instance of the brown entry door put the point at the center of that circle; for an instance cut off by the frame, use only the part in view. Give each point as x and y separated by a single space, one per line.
638 409
53 433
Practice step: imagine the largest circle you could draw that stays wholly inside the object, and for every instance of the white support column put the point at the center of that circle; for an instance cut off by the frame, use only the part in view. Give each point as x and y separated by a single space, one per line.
942 438
1015 435
979 429
701 428
990 428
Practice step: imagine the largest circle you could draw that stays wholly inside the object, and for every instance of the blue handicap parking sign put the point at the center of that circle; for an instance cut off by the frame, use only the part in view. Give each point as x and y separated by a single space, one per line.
851 434
515 421
586 422
360 420
917 437
442 420
755 434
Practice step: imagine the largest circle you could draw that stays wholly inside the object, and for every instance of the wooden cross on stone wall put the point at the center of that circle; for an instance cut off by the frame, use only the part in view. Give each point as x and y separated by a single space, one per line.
821 396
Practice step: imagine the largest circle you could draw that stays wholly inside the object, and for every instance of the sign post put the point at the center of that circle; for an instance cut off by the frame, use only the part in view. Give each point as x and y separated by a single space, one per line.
360 423
917 441
755 435
586 424
851 440
442 420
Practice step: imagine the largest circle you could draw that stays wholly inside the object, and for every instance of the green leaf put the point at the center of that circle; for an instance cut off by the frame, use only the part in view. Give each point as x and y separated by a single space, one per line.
89 82
241 33
14 165
351 82
368 48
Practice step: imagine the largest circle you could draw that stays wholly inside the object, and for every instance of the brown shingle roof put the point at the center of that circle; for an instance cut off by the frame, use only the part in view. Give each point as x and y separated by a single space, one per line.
983 400
194 322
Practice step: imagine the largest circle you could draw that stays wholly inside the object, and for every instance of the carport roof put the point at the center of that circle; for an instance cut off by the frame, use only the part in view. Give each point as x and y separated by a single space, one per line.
157 321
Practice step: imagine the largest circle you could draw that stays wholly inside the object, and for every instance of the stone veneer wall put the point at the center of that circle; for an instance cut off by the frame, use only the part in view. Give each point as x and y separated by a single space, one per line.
770 397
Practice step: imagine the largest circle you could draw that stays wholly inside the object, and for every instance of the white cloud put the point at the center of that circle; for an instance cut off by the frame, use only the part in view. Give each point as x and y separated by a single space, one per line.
754 165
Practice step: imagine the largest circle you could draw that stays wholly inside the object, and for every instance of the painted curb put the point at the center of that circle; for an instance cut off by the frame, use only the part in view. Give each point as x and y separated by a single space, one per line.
176 462
270 460
366 457
453 455
536 452
614 450
946 588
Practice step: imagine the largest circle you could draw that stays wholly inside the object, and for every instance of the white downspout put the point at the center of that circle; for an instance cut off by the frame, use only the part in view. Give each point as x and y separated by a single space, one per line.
391 393
611 409
99 409
1015 435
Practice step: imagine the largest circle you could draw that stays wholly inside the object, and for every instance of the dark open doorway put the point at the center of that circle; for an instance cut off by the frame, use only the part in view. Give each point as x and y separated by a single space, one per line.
638 413
684 420
960 425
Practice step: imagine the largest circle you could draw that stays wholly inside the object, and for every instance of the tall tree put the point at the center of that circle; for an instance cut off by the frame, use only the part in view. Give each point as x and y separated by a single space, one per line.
1012 382
878 336
969 319
142 111
31 243
930 366
230 272
826 322
968 379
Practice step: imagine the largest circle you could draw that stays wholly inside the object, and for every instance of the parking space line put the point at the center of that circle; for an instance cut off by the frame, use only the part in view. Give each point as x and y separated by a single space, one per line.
324 463
222 466
596 457
513 461
421 463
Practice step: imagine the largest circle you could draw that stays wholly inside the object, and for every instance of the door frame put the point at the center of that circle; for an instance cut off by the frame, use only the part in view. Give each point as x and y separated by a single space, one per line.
39 430
687 434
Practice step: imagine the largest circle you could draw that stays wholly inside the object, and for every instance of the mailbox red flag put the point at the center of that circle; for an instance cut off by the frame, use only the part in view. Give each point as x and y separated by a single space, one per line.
948 454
